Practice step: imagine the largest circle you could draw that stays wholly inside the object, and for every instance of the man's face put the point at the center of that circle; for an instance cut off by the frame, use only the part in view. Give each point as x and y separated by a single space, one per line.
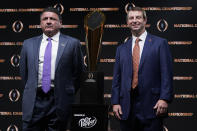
50 23
136 22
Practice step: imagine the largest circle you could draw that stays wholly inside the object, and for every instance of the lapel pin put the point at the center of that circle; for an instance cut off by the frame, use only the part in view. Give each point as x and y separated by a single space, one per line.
62 44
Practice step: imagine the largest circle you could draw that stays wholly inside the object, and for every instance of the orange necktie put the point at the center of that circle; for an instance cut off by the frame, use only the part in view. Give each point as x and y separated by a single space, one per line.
136 61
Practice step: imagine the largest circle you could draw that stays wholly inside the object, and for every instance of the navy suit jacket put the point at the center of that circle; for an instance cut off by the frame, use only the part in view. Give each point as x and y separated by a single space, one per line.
154 76
69 66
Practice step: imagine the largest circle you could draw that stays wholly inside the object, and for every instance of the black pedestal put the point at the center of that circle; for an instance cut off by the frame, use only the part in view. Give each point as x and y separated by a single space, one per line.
90 114
92 88
89 117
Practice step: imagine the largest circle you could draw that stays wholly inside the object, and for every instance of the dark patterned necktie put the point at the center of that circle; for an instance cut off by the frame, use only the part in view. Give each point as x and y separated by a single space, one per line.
136 61
46 76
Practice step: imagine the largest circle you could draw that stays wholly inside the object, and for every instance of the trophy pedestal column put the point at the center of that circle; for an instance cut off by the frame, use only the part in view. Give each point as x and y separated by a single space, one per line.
90 114
92 88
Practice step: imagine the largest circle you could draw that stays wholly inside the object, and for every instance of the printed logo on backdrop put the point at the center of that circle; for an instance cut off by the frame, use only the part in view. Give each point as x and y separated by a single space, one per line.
87 122
128 7
14 95
12 128
85 60
60 8
162 25
17 26
1 95
15 60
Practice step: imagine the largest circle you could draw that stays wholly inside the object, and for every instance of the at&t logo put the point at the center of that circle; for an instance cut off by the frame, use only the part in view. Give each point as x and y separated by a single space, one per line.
87 122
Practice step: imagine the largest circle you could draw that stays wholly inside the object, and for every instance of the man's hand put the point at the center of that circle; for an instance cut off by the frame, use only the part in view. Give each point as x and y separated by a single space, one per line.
117 111
161 107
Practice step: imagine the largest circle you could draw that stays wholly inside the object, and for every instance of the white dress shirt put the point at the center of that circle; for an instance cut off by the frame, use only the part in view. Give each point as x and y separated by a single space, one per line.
141 42
43 45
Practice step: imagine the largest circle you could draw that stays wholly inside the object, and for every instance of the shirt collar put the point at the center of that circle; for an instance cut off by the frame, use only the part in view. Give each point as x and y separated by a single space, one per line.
55 37
142 36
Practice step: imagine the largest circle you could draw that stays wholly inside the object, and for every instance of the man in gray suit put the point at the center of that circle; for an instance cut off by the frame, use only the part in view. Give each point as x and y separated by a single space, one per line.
50 67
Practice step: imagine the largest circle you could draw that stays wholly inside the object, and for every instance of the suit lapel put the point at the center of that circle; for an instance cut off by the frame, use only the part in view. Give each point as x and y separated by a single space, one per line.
128 47
61 46
36 48
145 51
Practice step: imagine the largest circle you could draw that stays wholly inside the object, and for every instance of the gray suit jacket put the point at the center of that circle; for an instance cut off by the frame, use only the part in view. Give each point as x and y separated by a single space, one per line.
69 66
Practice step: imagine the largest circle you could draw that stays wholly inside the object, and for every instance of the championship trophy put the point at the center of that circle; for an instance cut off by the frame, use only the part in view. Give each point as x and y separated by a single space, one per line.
92 86
91 114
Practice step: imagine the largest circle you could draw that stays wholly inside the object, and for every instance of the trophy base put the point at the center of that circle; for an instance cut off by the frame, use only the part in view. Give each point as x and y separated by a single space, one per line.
92 88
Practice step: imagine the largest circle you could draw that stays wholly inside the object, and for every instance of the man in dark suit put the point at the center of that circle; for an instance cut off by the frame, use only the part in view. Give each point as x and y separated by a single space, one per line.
50 67
142 80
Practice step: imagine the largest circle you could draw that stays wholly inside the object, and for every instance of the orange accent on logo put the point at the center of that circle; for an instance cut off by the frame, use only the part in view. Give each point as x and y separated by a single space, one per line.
69 26
2 60
185 25
3 26
185 96
94 9
108 77
185 60
182 78
10 78
107 60
22 10
181 114
107 95
1 95
180 42
167 8
10 43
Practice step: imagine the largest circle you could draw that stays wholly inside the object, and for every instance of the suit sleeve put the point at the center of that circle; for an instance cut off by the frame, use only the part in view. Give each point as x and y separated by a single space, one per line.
166 72
116 80
78 65
23 63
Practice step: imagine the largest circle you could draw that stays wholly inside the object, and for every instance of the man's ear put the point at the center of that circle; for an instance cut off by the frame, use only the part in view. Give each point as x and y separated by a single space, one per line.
60 24
145 20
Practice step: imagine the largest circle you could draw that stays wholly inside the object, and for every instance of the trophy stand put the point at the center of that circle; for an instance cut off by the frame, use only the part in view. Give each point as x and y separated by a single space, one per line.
92 88
91 114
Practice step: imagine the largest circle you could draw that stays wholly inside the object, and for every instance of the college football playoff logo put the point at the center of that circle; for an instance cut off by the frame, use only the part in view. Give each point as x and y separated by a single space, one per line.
14 95
60 8
15 60
17 26
162 25
12 128
128 7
